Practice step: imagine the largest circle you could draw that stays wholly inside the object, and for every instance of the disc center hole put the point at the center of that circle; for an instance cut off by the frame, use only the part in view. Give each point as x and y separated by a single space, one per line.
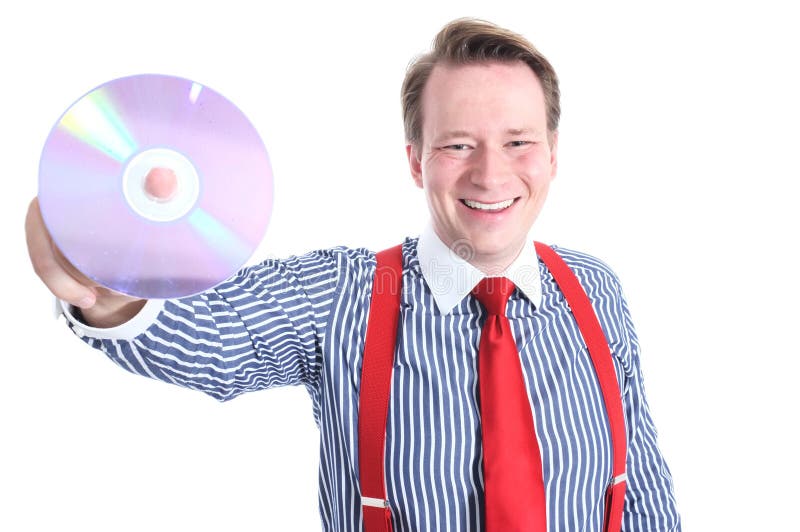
160 184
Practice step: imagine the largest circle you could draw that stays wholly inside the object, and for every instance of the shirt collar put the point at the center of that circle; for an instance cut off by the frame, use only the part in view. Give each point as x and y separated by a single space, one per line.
450 278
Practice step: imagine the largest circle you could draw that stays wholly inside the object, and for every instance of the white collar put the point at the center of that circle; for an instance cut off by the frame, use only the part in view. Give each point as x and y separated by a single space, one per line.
450 278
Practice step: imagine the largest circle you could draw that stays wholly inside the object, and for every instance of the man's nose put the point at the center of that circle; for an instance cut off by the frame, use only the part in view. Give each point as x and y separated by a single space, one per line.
491 168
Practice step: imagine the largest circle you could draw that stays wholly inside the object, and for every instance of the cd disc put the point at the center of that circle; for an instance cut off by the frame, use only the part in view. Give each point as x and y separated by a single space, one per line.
155 186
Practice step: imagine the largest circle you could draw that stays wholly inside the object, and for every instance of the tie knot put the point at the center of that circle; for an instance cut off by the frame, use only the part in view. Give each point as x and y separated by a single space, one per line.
493 293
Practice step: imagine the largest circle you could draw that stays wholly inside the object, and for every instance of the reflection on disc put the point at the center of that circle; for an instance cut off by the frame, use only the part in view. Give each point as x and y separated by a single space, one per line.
155 186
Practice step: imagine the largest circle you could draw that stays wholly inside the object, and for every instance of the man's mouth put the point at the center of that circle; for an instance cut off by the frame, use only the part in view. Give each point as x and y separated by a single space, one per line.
491 207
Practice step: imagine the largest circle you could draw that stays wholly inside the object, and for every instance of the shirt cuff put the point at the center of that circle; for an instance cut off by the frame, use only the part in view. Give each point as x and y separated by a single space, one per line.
125 331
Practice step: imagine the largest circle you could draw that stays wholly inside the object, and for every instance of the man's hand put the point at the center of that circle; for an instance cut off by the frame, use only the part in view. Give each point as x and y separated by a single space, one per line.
100 306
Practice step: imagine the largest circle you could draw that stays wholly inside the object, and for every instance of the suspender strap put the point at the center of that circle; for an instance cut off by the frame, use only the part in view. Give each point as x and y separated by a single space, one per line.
376 379
604 368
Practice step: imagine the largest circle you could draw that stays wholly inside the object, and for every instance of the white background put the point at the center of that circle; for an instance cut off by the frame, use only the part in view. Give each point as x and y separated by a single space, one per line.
678 167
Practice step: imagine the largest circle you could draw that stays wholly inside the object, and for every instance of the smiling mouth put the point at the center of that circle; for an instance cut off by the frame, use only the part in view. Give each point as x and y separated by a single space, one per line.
490 207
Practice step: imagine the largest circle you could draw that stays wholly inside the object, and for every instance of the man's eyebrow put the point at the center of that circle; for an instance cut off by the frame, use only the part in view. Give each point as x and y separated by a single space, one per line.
523 131
447 135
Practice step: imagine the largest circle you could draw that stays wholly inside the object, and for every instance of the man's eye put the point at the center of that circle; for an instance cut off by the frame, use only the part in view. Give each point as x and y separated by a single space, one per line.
518 143
457 147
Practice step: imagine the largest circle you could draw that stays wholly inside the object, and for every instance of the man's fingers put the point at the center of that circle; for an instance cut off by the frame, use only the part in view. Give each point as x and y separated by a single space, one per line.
47 265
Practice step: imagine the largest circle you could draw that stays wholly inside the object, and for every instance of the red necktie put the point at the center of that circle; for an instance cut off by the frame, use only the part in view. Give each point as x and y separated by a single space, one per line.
512 465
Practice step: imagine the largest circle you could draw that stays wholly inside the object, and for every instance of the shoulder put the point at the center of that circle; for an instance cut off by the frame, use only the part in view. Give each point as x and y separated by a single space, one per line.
335 261
593 272
605 293
583 261
334 257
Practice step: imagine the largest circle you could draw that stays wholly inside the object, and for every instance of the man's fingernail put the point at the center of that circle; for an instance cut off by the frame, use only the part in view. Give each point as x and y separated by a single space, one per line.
86 302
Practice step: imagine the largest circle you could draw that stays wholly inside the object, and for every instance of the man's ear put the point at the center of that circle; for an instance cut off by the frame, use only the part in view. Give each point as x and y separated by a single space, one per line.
414 163
553 154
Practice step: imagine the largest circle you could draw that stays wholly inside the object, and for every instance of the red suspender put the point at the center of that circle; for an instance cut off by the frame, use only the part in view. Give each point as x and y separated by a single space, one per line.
597 344
376 378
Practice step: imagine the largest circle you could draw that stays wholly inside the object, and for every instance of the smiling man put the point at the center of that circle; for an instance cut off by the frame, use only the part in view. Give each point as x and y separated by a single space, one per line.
504 408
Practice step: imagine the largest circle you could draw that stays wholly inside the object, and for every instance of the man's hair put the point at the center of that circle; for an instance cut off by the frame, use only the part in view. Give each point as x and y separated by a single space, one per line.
466 41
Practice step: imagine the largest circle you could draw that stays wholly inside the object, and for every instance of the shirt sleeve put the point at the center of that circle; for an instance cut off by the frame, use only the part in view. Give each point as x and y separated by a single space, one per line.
264 327
649 500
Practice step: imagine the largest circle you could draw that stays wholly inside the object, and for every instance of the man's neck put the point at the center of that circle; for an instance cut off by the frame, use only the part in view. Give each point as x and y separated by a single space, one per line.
451 275
491 264
495 264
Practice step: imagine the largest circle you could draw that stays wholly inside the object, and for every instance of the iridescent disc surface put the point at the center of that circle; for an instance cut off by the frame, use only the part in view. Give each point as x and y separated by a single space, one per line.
95 204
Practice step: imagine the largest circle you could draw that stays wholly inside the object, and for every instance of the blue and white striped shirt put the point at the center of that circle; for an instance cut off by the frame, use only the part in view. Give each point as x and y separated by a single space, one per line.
302 321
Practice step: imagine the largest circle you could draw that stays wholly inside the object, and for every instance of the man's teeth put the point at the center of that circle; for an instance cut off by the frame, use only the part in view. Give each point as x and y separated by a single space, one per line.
488 206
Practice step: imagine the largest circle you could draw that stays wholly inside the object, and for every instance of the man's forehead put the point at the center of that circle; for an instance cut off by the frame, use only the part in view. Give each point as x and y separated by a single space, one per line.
507 95
461 86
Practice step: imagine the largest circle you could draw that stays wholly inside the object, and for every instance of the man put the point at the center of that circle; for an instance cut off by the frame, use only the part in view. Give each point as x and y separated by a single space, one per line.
481 118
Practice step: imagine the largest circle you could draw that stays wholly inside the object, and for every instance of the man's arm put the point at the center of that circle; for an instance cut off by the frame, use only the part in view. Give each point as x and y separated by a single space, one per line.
262 328
649 500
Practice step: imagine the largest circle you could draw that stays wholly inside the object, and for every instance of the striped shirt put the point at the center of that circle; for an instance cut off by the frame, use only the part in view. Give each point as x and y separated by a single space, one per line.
302 321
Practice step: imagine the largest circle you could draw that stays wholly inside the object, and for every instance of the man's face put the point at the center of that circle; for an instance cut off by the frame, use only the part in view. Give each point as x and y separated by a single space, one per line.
484 162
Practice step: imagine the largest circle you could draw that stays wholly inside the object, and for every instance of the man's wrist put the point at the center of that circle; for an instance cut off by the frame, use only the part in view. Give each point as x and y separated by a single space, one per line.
126 330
